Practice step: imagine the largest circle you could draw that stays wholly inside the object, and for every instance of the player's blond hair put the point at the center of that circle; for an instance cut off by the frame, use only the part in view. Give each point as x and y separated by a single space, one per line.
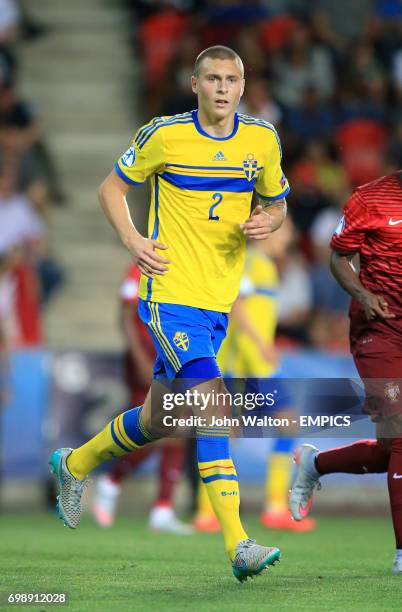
217 52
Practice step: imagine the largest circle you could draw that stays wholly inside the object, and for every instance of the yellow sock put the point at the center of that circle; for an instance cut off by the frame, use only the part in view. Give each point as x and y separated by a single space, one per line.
220 479
277 484
112 441
204 506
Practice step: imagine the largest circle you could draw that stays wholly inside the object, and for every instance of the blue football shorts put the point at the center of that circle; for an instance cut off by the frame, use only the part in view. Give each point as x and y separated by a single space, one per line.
181 334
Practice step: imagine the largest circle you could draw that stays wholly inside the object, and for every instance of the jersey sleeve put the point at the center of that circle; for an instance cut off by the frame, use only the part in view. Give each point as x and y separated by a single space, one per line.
350 232
272 184
144 157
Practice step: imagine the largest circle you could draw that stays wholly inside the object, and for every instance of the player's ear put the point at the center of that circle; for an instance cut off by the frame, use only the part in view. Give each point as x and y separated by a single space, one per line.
194 84
242 87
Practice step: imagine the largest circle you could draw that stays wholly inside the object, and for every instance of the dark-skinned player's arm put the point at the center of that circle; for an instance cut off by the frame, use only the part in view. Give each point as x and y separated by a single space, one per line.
375 306
266 218
112 196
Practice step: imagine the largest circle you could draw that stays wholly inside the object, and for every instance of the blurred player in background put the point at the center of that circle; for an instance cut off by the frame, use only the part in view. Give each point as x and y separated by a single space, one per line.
204 166
139 359
249 351
372 228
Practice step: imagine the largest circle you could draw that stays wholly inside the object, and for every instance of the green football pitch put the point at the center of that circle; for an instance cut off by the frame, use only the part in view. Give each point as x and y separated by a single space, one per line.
344 565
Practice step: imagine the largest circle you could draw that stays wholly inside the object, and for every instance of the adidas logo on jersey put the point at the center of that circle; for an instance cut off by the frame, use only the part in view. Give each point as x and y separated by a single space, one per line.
219 157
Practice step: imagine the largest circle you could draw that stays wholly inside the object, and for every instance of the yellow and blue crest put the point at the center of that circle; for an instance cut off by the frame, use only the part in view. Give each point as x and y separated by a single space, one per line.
250 167
181 341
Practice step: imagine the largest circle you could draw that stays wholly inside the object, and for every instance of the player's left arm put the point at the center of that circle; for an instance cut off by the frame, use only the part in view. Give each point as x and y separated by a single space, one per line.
266 218
271 189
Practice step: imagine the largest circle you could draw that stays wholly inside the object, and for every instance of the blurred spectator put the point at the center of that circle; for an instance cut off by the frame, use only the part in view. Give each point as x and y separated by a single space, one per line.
364 67
330 175
276 32
226 19
21 241
248 45
23 229
20 321
312 119
306 198
31 176
20 224
9 21
295 297
258 101
329 324
22 138
302 65
159 34
336 24
178 96
362 144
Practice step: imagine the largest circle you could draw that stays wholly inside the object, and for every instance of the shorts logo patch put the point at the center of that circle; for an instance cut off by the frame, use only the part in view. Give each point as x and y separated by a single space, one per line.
392 392
128 158
181 341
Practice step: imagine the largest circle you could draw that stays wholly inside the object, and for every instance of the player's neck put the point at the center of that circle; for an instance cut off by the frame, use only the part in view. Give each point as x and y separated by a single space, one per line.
216 127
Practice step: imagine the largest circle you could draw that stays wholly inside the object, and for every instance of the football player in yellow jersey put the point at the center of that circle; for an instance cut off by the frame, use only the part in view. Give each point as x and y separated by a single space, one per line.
248 351
203 167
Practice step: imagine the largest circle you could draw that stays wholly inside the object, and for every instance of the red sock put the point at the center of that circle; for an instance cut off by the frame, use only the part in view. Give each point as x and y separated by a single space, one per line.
395 488
129 462
171 468
363 457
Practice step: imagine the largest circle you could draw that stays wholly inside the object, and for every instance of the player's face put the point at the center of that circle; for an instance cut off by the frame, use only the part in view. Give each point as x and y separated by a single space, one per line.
219 87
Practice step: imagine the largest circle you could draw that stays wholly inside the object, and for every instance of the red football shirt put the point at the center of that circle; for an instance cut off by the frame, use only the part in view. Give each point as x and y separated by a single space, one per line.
372 226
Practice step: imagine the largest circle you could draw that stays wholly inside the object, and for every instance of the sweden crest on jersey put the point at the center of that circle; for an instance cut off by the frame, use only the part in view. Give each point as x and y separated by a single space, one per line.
250 167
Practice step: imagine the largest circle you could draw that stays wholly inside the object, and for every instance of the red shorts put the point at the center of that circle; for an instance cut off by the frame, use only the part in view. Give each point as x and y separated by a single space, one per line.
376 347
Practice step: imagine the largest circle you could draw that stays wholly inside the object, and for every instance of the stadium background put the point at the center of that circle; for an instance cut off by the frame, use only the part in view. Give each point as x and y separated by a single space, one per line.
76 80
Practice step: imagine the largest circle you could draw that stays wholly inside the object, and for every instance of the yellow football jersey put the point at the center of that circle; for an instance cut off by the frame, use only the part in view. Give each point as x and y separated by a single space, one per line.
239 355
201 192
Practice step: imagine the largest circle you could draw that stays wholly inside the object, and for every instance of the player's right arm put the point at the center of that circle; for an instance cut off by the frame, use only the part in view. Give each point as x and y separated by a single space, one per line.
375 306
112 196
346 244
143 158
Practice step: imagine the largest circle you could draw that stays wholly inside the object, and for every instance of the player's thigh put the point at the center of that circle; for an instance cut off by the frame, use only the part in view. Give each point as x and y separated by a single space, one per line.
381 374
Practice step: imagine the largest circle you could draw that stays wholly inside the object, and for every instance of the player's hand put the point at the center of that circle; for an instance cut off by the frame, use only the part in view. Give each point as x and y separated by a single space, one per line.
148 261
259 225
375 307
